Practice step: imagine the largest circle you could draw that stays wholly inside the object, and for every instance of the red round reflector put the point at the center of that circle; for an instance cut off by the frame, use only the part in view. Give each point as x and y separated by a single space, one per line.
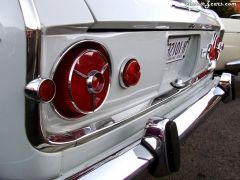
46 90
82 80
131 73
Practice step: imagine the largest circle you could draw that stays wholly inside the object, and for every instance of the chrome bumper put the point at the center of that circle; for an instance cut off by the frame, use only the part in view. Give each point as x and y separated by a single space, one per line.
158 152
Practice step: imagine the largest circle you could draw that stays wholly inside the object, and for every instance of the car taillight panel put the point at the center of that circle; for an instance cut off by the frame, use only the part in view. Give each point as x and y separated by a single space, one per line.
215 48
82 78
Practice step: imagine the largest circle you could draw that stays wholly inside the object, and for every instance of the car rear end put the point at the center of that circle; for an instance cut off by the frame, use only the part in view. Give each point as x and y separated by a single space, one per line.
109 93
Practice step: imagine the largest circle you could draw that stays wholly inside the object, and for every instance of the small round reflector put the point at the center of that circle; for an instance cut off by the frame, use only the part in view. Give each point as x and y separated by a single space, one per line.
41 90
130 74
46 90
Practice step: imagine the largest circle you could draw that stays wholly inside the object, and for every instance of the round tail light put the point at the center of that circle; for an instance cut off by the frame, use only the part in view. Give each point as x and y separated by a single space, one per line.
130 73
82 79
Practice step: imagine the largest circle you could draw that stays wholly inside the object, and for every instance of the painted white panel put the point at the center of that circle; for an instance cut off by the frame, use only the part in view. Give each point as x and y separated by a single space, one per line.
18 159
146 11
56 13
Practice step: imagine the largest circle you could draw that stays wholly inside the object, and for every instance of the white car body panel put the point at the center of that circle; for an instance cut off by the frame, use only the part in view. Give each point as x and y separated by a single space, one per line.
138 13
64 13
18 158
231 41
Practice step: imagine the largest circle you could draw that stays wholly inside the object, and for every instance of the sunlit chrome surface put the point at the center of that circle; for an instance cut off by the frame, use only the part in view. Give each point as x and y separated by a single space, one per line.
190 116
184 7
32 89
33 51
178 83
123 166
154 26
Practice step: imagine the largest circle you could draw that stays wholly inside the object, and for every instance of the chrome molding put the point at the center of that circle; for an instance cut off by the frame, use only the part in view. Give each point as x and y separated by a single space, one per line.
151 26
33 53
184 7
33 36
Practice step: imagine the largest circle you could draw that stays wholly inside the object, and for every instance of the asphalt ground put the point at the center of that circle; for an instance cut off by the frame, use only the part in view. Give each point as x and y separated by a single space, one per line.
212 151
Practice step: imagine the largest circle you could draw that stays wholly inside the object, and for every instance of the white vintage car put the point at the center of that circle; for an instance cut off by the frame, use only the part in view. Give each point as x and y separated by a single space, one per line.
230 57
103 89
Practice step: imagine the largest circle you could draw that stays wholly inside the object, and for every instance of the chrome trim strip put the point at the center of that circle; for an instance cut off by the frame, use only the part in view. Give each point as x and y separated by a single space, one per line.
33 53
33 36
151 26
184 7
30 14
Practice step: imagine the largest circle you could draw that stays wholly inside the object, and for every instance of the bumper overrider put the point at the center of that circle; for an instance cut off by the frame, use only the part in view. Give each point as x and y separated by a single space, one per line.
158 152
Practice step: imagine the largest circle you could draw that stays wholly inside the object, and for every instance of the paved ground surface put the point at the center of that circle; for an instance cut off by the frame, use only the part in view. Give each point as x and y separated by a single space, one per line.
213 149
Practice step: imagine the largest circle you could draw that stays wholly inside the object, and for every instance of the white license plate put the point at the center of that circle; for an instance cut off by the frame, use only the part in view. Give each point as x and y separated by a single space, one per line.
177 48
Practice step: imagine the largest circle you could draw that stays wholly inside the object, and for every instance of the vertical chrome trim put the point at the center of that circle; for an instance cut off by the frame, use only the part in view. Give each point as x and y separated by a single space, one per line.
33 35
33 52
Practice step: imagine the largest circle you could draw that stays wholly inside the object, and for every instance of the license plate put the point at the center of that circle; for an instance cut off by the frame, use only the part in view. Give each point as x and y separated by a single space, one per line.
177 48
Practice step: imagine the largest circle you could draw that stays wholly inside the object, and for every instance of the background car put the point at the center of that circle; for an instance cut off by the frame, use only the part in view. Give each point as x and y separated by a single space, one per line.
230 57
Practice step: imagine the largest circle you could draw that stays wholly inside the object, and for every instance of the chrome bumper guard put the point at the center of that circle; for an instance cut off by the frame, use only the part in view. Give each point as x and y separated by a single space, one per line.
158 153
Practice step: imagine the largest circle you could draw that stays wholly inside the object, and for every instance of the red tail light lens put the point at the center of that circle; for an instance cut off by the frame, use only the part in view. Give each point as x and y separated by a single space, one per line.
82 80
214 49
41 90
46 90
130 74
203 74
